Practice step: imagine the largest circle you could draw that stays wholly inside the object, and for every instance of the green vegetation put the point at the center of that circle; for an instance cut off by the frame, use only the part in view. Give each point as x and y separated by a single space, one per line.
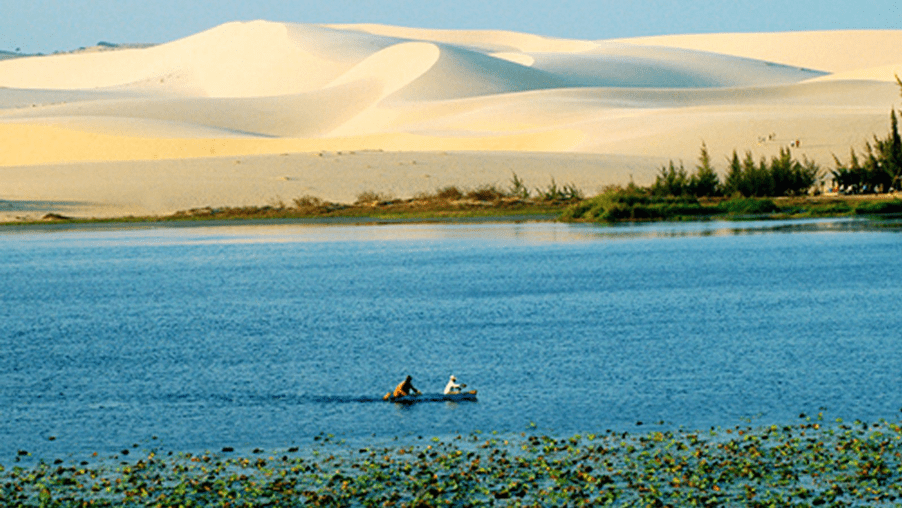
881 169
781 187
807 464
450 202
638 204
673 181
616 204
878 207
446 202
748 206
781 176
878 170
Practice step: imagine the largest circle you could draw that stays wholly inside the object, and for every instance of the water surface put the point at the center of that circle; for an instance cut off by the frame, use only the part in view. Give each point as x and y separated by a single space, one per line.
265 336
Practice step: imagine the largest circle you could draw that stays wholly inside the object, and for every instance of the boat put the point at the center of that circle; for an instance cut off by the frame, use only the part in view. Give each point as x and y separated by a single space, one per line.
433 397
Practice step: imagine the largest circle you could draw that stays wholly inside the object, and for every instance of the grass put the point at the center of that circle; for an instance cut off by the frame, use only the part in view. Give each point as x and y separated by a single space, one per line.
451 202
617 204
565 203
810 463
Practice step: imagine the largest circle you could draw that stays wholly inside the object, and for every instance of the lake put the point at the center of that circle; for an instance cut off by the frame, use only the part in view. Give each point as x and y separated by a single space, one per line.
269 335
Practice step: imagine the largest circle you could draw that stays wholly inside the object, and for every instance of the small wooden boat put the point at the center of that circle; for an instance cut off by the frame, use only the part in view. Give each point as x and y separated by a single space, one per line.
433 397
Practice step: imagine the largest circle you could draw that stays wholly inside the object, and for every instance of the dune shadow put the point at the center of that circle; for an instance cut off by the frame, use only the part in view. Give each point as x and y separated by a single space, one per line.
42 206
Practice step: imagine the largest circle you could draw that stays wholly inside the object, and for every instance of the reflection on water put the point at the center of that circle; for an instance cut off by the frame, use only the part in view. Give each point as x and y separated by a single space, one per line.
267 334
329 230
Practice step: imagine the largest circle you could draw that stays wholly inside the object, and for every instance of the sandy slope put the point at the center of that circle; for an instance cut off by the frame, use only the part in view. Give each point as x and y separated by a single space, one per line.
834 52
209 119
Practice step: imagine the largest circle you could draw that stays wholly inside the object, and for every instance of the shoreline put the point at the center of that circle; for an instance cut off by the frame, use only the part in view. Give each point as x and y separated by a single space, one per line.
145 223
413 211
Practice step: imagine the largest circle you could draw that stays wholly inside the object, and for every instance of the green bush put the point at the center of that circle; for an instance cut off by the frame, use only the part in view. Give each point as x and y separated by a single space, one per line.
553 192
619 204
676 181
879 207
830 209
880 168
518 188
748 206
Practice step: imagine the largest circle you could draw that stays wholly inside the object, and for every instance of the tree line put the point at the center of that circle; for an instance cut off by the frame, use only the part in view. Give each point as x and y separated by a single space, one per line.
877 169
781 175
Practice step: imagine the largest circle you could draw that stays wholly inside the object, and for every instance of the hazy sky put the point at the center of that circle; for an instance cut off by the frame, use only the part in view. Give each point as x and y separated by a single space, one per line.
50 25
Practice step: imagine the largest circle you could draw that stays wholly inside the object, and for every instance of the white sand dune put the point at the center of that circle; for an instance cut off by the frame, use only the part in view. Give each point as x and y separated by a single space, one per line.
200 118
833 51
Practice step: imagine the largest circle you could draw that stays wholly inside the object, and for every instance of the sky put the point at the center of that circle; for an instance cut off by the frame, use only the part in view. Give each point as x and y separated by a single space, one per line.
45 26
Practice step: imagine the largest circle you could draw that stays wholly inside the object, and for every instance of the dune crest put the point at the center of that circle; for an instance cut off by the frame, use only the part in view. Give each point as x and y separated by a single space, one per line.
485 40
262 89
829 51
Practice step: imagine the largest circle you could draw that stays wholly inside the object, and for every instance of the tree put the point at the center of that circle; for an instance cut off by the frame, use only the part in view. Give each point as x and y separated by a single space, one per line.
881 168
894 162
790 177
705 181
847 178
782 170
734 176
671 181
756 178
808 174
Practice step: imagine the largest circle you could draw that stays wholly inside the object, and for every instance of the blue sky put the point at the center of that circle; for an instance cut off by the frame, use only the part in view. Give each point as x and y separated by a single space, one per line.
50 25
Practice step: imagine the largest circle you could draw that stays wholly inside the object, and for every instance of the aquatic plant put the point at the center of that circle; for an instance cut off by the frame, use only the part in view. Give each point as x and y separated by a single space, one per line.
812 463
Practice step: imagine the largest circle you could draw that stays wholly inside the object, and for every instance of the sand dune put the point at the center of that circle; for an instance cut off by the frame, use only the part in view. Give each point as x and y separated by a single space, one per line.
233 60
258 90
833 51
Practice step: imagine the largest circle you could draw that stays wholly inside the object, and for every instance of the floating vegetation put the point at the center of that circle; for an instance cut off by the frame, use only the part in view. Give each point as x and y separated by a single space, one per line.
809 464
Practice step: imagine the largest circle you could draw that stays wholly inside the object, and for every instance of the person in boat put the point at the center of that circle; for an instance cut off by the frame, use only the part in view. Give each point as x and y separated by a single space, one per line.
405 388
452 387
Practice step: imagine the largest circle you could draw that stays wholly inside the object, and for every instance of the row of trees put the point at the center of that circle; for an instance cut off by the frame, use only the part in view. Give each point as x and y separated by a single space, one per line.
782 175
878 170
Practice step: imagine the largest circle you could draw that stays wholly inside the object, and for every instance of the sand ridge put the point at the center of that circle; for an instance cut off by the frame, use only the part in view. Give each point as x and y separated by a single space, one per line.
257 90
836 51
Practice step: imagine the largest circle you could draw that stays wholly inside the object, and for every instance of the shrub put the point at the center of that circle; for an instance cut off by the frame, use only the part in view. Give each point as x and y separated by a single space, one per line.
584 210
880 168
308 201
367 197
450 193
830 209
705 182
671 181
518 187
619 204
676 181
485 193
553 192
879 207
748 206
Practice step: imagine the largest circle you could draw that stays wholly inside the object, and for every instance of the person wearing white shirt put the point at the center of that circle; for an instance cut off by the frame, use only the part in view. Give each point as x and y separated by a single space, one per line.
452 387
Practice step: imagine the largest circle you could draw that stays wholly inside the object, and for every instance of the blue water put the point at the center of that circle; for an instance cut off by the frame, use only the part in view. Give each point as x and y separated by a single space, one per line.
265 336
